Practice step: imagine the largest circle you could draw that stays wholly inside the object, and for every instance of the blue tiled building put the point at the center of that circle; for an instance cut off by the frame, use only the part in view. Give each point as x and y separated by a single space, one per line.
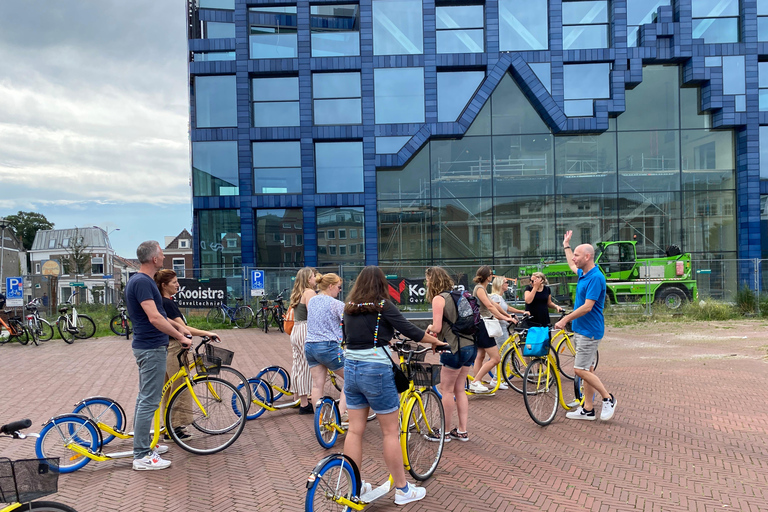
413 132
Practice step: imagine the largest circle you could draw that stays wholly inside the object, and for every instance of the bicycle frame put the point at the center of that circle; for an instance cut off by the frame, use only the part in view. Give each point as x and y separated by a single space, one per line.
509 344
552 367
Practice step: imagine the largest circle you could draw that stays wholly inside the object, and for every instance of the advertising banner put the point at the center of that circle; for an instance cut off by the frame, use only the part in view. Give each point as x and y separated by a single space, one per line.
406 291
201 294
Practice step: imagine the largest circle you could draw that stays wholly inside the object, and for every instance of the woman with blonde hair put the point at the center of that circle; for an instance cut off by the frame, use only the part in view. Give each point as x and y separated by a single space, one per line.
538 299
486 344
499 286
455 363
324 336
303 290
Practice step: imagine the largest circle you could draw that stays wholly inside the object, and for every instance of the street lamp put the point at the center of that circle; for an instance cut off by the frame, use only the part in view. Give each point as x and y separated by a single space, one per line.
3 224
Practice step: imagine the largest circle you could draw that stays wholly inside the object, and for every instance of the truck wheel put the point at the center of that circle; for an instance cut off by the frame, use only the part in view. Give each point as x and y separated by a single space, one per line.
672 297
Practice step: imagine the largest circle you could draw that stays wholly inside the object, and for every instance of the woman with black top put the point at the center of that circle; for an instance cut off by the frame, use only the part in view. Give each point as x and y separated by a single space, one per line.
538 299
168 284
370 320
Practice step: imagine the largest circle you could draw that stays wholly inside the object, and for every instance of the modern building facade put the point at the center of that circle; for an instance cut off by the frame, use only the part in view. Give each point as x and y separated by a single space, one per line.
417 132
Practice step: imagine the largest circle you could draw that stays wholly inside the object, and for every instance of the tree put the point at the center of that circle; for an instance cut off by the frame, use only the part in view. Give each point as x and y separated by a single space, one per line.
27 224
78 258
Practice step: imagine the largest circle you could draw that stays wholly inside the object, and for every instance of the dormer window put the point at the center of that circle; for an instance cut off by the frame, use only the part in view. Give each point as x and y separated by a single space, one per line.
183 244
51 244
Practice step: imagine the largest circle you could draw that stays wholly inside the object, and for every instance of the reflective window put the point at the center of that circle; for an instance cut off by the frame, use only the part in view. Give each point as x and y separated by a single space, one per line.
585 82
653 104
523 165
277 167
404 230
708 159
454 90
640 12
215 101
734 78
763 80
762 20
523 25
460 28
462 228
585 163
716 21
709 223
216 4
399 95
585 24
273 36
649 161
410 182
690 116
332 250
337 98
278 232
461 168
335 30
512 113
591 217
339 167
388 145
543 71
764 152
524 226
275 101
653 217
397 27
211 56
214 168
217 255
217 30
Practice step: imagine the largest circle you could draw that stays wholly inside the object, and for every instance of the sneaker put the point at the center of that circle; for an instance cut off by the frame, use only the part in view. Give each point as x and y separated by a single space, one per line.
609 408
307 409
503 385
411 494
459 436
365 488
477 387
181 433
345 420
434 436
150 462
573 403
581 414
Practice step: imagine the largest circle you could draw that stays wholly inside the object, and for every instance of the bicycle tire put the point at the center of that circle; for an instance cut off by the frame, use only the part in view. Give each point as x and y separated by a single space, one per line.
237 379
212 431
279 318
65 333
46 506
32 330
215 316
51 442
261 393
243 317
335 478
511 371
334 384
326 417
22 335
566 356
423 451
116 324
86 327
106 411
267 320
276 377
540 391
44 330
258 319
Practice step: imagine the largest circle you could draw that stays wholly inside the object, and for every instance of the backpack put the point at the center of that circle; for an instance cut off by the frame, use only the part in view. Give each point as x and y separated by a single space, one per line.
468 318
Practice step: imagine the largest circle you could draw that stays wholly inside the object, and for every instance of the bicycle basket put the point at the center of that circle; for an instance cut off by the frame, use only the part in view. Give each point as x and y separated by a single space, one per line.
412 345
423 374
27 479
222 353
208 365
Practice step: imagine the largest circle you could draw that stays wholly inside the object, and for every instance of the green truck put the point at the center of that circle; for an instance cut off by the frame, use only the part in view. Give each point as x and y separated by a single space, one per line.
631 280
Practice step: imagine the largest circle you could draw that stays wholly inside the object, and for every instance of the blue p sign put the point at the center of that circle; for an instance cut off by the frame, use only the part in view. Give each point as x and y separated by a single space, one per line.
14 291
257 279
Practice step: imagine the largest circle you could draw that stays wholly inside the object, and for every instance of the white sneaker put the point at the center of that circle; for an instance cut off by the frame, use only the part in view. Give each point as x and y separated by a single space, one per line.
149 462
477 387
503 385
365 488
160 449
410 495
573 403
609 408
580 414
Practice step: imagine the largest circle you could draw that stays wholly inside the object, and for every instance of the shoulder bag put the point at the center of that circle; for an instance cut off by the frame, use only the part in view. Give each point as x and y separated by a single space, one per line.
288 321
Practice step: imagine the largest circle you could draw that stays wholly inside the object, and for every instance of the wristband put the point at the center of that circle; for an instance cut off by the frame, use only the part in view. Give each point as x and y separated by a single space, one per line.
566 247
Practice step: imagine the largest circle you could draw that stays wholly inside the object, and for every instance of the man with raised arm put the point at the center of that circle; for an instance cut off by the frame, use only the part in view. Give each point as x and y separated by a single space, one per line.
588 328
151 330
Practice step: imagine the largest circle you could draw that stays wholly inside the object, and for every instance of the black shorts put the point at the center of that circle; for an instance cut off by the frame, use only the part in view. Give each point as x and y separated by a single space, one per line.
482 340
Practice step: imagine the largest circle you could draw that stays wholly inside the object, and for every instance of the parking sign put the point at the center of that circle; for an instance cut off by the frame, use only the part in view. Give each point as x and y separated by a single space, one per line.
257 283
14 291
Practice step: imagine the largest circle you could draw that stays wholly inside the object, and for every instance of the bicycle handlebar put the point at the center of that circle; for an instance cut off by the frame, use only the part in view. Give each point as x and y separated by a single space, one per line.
13 427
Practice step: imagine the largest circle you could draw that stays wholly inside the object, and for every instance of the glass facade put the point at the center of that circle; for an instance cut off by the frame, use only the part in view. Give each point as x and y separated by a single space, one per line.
280 237
277 167
523 25
460 28
215 101
275 101
398 28
220 239
273 32
214 169
335 30
340 236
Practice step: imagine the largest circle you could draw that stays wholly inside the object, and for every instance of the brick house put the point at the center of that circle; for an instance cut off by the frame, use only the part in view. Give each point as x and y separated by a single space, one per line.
178 253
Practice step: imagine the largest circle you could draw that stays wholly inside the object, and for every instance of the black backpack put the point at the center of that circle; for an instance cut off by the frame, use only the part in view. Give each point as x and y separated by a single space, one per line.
468 319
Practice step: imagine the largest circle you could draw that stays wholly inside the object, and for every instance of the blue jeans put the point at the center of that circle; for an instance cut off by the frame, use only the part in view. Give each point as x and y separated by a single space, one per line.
464 357
151 362
370 385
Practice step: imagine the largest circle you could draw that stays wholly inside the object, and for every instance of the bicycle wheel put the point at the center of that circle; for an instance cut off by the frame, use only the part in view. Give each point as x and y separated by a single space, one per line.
117 325
212 428
215 316
326 418
32 330
102 410
86 327
279 318
566 355
243 317
261 393
61 431
335 479
277 378
47 506
22 335
425 435
238 380
333 385
510 370
540 391
62 324
44 330
258 319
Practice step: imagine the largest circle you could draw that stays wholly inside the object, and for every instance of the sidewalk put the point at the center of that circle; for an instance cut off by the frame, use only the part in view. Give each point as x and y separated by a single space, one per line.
690 433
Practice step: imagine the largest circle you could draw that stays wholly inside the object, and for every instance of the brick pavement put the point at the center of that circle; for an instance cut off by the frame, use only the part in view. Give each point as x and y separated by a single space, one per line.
689 433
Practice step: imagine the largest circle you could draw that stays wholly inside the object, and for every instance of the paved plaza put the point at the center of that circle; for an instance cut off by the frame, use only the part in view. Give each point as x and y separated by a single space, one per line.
690 433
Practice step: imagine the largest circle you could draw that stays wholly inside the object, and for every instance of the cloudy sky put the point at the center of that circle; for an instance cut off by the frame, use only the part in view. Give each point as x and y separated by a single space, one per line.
94 115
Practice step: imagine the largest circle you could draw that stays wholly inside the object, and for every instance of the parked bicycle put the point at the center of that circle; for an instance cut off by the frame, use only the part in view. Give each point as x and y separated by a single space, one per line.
72 325
12 329
22 481
240 315
37 325
271 313
120 323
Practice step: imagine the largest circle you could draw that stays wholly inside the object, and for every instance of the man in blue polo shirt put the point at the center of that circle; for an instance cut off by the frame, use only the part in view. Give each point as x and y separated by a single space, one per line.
588 328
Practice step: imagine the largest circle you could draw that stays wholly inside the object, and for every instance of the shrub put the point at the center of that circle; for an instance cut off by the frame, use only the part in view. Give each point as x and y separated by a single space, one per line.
746 300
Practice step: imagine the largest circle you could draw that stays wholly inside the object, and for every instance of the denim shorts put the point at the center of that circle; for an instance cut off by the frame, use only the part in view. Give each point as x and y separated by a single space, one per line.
370 385
325 353
464 357
586 351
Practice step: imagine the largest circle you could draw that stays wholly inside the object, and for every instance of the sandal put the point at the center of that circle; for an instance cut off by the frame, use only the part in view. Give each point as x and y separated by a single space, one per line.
459 436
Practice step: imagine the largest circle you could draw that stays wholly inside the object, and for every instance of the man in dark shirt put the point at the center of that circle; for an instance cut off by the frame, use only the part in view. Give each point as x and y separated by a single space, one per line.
151 330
